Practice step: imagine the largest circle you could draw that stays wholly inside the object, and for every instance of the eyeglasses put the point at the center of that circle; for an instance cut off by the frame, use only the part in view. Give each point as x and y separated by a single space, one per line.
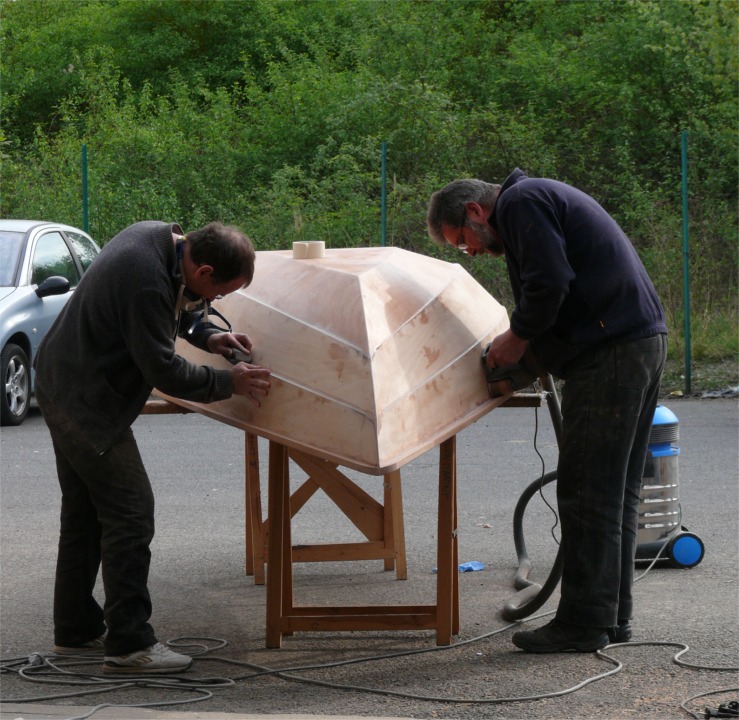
460 244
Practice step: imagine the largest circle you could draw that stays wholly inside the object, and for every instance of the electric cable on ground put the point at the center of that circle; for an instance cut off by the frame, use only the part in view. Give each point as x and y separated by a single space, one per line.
288 674
531 600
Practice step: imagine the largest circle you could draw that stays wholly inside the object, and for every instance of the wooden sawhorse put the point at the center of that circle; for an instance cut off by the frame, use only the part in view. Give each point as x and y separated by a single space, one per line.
271 540
284 617
381 524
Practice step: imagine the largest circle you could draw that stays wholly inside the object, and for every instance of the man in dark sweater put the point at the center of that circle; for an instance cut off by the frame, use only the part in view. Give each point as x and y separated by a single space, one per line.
587 308
114 342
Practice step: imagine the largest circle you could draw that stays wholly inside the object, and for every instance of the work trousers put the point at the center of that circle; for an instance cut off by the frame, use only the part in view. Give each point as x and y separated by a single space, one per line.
608 401
107 518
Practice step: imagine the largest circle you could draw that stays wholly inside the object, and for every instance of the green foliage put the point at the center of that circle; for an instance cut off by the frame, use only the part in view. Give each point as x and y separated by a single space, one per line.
270 114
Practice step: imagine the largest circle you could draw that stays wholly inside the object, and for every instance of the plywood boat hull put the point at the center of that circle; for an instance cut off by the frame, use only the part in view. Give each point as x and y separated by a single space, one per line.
374 353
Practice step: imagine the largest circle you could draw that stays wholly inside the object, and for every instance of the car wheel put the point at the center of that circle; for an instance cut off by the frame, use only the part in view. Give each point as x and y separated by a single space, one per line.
16 375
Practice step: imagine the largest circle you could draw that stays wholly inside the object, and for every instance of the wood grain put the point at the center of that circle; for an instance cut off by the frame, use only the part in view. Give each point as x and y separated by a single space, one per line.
374 353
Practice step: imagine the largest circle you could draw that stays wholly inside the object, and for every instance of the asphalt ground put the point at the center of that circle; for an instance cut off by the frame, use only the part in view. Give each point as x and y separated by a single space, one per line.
200 590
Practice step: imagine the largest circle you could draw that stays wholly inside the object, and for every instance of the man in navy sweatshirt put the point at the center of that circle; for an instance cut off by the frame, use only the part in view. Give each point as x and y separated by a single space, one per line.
114 342
586 306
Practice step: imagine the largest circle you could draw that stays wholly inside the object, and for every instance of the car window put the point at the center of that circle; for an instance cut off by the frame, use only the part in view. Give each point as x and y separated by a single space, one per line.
52 257
83 246
10 250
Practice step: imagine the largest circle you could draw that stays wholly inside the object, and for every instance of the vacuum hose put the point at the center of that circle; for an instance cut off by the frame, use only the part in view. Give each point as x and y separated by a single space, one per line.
532 596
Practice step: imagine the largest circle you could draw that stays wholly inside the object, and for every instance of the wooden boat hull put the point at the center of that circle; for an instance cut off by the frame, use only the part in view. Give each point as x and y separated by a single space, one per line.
374 352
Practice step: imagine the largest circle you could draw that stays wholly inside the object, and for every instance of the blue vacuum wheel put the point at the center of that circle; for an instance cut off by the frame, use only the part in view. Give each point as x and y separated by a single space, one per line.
685 550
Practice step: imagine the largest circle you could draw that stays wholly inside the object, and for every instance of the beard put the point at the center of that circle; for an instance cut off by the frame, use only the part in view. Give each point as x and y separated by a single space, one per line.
488 238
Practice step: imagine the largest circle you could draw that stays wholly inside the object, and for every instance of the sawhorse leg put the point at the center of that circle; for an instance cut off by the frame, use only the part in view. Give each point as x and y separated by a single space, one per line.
279 585
447 578
381 524
284 618
255 530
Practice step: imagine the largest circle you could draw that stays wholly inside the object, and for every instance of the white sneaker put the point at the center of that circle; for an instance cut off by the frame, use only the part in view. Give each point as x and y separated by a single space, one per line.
154 659
94 647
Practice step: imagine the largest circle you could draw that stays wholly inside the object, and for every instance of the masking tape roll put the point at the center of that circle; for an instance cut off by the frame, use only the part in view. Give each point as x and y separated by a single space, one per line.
309 250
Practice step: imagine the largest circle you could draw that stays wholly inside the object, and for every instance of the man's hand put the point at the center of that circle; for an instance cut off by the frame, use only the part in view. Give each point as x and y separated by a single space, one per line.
251 381
225 343
506 349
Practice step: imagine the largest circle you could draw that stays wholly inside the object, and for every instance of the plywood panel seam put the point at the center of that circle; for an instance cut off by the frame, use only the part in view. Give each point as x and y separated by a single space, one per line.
318 393
316 328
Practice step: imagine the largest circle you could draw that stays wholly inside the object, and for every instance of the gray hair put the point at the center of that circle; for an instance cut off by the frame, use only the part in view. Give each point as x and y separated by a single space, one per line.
446 206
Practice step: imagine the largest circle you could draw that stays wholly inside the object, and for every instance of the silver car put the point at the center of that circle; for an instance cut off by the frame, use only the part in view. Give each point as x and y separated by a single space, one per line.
41 263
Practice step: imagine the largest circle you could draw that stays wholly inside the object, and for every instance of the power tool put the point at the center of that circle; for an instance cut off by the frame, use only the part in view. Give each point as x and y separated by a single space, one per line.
509 378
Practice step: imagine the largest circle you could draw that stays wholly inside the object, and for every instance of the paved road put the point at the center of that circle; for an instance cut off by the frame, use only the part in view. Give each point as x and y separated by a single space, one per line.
199 588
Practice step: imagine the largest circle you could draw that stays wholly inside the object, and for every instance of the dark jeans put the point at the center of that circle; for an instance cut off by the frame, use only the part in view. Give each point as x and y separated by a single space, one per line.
608 402
107 517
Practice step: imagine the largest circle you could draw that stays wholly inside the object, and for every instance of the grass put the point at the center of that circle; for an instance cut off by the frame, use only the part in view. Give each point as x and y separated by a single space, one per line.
714 343
705 376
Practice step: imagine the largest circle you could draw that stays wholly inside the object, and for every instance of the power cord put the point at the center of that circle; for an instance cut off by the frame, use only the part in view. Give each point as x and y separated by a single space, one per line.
33 668
43 669
52 669
542 477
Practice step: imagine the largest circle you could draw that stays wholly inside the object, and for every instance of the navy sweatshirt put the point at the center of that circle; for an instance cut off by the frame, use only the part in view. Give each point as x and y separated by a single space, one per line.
114 340
577 279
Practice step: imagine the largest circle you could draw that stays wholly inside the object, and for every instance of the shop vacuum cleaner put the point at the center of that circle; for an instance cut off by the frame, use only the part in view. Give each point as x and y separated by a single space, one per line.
660 535
659 503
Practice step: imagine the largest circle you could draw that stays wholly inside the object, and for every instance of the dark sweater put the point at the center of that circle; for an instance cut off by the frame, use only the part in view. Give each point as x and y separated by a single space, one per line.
114 340
577 279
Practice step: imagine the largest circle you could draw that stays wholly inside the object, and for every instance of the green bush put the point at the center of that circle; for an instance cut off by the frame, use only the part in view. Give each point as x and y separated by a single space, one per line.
271 115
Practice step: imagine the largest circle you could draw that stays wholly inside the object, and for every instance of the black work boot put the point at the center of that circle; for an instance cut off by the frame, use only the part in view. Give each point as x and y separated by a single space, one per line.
557 636
621 633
